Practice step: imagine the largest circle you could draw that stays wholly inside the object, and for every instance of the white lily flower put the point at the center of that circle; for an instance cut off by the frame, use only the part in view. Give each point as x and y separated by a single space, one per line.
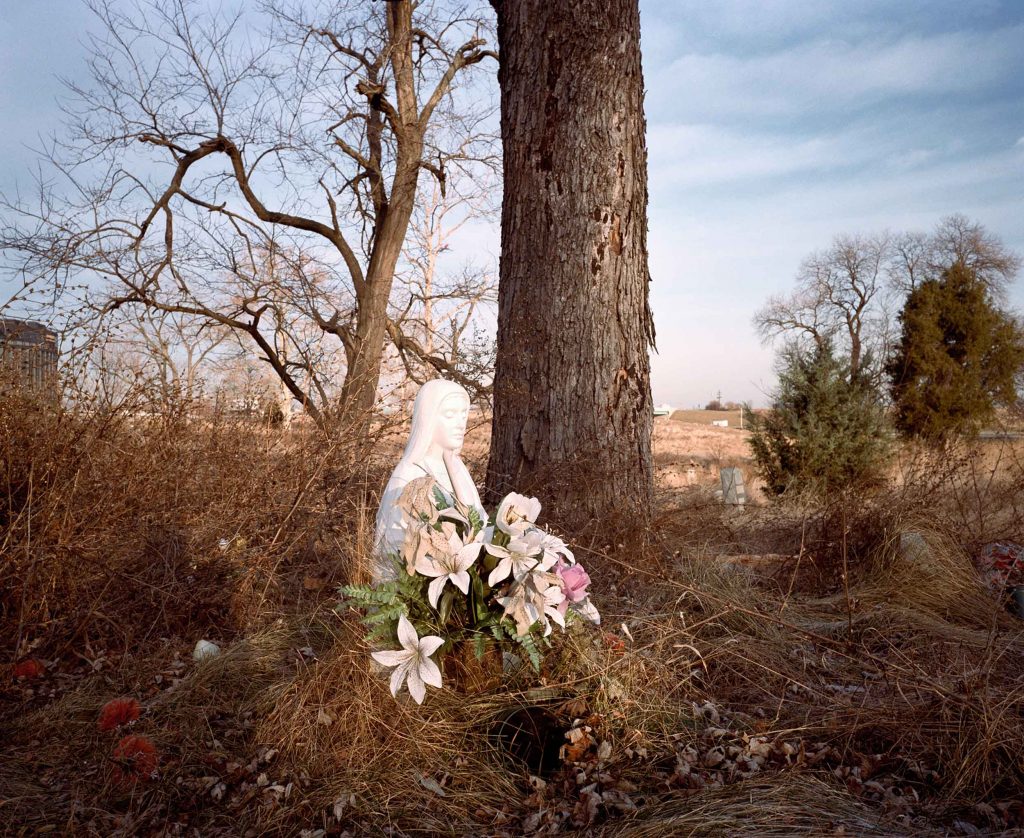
546 595
554 547
413 662
516 513
449 566
531 543
516 561
518 606
547 603
417 500
452 514
494 549
422 539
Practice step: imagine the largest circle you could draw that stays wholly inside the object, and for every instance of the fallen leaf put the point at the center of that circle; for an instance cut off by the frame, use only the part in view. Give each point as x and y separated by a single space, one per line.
579 743
430 784
575 707
342 803
618 800
30 668
586 810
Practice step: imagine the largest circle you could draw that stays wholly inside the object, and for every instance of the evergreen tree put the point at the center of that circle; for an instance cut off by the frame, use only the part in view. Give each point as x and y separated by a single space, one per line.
826 429
957 358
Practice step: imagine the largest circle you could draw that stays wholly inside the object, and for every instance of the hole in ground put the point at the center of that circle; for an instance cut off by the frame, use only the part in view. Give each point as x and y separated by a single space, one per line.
532 736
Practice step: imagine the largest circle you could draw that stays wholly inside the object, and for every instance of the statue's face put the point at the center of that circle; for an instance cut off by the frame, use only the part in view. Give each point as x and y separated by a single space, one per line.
451 421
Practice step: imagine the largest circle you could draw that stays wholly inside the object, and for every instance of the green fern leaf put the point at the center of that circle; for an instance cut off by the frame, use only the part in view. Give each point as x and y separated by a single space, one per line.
530 646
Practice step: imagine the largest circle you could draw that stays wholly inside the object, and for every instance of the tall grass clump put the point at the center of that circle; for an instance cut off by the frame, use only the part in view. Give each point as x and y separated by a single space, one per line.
120 528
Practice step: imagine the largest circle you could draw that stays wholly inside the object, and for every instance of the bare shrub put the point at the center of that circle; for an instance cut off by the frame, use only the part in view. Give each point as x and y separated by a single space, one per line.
122 528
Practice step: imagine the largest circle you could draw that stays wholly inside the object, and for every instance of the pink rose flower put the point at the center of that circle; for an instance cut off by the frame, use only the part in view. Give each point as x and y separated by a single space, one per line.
573 580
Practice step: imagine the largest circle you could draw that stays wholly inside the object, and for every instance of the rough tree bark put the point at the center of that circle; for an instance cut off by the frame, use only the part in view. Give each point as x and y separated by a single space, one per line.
572 398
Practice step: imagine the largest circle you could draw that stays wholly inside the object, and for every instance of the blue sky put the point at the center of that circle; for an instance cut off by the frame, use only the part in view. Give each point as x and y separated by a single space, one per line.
773 126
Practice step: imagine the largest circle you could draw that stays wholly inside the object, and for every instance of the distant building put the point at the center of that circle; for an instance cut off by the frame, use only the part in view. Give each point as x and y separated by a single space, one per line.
29 350
663 410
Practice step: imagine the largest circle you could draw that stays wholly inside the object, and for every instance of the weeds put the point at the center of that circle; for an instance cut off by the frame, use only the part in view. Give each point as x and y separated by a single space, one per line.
714 700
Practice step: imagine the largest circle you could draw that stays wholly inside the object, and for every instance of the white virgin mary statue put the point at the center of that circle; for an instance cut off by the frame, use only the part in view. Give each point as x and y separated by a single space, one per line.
439 417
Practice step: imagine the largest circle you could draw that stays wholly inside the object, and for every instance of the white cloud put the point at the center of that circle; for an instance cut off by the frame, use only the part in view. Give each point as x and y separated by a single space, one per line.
690 155
831 75
704 155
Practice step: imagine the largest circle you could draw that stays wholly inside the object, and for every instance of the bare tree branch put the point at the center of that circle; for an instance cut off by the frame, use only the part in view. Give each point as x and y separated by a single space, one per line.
212 173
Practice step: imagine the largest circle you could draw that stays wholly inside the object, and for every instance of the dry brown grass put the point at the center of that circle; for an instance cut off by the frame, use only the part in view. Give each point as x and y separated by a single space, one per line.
781 806
892 705
121 530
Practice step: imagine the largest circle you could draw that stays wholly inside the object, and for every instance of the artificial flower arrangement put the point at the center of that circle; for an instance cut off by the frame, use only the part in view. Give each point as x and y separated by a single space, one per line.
463 580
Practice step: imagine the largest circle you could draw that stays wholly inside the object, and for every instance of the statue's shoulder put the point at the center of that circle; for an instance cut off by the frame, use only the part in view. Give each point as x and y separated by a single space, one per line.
408 481
406 472
409 491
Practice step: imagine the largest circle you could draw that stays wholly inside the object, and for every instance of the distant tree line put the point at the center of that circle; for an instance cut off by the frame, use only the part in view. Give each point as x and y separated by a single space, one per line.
718 404
887 334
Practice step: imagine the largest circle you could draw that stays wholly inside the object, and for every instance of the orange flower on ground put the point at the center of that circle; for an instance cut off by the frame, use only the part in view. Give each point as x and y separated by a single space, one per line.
136 758
30 668
117 712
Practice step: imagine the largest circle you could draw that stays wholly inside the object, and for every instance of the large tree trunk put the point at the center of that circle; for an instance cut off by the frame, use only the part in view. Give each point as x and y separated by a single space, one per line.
572 397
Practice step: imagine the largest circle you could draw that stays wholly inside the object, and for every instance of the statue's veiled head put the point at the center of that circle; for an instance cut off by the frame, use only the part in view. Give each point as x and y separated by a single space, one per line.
439 416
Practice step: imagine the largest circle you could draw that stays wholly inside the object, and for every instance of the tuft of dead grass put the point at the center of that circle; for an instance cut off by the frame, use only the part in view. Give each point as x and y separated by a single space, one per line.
122 529
787 804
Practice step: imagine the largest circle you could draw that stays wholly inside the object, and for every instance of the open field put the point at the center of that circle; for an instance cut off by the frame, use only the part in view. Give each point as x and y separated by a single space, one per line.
736 686
706 417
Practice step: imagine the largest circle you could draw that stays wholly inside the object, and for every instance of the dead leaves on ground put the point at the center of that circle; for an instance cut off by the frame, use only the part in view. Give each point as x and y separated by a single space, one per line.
601 778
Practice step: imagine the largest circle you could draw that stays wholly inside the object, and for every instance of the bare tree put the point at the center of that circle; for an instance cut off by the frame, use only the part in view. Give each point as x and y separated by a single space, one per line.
159 362
437 311
263 184
910 261
849 294
918 256
838 299
240 383
958 239
176 353
108 376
